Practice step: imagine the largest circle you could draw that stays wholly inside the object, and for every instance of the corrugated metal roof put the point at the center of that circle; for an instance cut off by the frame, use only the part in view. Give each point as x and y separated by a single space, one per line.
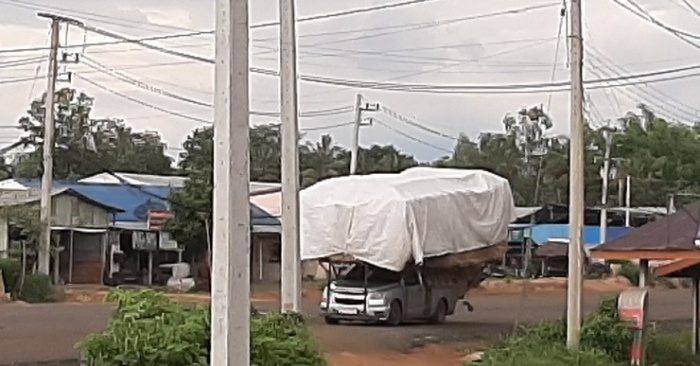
17 197
135 201
148 180
675 232
545 233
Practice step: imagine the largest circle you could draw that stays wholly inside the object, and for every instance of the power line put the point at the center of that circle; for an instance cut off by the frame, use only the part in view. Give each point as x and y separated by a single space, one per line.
140 102
345 13
409 121
691 7
410 137
126 78
643 14
600 58
89 15
424 88
562 17
193 33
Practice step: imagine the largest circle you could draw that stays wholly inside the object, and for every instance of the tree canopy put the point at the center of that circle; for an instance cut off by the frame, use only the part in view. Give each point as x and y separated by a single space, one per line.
84 145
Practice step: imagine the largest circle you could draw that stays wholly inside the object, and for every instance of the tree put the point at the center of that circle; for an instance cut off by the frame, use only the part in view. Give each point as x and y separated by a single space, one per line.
85 146
321 160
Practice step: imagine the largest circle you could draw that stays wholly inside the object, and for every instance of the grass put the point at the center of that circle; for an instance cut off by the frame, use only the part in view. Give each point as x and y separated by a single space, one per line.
669 349
605 341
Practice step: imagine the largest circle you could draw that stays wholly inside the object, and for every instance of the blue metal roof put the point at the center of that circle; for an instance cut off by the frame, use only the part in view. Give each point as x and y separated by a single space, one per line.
137 201
541 234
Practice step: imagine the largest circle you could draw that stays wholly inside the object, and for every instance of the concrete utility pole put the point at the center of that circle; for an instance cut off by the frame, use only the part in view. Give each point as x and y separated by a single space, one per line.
576 189
230 305
44 254
355 147
605 174
291 252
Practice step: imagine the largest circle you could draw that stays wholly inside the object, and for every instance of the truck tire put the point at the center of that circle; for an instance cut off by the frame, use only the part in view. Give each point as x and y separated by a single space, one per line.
395 314
440 314
331 321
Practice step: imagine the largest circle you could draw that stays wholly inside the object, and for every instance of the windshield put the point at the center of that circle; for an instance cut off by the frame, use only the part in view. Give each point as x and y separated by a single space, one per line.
375 275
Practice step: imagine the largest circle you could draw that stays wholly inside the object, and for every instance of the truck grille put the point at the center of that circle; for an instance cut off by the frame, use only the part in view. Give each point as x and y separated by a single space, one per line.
349 301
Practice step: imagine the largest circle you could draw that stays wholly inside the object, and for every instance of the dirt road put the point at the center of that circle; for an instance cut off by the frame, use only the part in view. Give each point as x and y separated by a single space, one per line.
49 332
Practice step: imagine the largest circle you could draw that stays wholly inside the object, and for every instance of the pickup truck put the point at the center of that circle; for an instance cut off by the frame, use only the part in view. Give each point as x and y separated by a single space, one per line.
371 294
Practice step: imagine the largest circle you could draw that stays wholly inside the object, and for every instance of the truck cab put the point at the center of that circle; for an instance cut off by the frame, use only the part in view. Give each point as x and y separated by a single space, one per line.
371 294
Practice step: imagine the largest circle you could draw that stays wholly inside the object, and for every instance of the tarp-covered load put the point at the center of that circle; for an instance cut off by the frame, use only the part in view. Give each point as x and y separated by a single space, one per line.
388 220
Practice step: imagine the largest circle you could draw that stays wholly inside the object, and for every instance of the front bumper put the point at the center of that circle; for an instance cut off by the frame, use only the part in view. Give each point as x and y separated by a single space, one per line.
373 313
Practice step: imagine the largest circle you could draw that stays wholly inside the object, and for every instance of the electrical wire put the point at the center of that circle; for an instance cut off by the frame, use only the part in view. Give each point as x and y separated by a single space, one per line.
643 14
423 88
181 115
125 78
562 17
409 121
107 19
140 102
21 62
691 7
410 137
602 59
345 13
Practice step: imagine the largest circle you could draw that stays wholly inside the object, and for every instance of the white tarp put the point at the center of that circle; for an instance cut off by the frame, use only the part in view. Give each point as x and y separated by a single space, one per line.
389 219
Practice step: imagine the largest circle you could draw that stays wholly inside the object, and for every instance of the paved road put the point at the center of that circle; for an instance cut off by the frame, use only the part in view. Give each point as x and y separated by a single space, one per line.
49 332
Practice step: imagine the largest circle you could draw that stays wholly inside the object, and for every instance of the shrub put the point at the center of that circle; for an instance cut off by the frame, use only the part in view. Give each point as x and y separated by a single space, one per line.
605 332
605 341
37 288
630 271
11 272
150 329
546 355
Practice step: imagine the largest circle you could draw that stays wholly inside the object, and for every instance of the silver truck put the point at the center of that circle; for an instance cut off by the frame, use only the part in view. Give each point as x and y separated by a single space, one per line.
371 294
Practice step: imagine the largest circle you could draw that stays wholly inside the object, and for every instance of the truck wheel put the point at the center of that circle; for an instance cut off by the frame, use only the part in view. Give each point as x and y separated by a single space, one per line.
395 314
331 321
440 314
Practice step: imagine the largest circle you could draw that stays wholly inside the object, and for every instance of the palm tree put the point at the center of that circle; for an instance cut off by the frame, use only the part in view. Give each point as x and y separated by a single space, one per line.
321 160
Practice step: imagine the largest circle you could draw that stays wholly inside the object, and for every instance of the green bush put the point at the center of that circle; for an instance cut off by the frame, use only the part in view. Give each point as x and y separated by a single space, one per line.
37 288
150 329
630 271
605 341
11 272
545 355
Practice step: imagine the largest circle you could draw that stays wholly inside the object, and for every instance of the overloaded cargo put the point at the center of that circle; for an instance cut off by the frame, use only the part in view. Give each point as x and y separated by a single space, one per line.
415 242
389 220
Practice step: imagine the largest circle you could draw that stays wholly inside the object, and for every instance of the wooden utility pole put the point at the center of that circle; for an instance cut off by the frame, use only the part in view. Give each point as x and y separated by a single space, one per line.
44 253
230 305
291 251
576 183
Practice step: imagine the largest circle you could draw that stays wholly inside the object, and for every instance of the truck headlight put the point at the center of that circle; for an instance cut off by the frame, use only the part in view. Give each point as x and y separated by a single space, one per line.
375 296
325 293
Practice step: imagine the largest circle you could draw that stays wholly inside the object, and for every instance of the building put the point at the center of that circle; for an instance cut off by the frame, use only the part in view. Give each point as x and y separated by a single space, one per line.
79 232
137 246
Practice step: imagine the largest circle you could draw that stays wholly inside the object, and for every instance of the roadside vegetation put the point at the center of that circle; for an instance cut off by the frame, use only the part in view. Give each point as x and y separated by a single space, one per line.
605 341
150 329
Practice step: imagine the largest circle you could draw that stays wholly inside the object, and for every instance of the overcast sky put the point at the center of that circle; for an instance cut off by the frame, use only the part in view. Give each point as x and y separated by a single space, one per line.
508 49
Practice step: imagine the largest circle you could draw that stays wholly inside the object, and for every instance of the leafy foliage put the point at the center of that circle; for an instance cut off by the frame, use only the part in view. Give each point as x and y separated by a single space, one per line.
86 146
318 160
37 288
605 341
149 329
11 272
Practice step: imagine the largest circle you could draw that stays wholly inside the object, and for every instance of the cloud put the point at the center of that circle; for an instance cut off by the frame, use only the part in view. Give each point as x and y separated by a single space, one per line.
496 50
168 17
